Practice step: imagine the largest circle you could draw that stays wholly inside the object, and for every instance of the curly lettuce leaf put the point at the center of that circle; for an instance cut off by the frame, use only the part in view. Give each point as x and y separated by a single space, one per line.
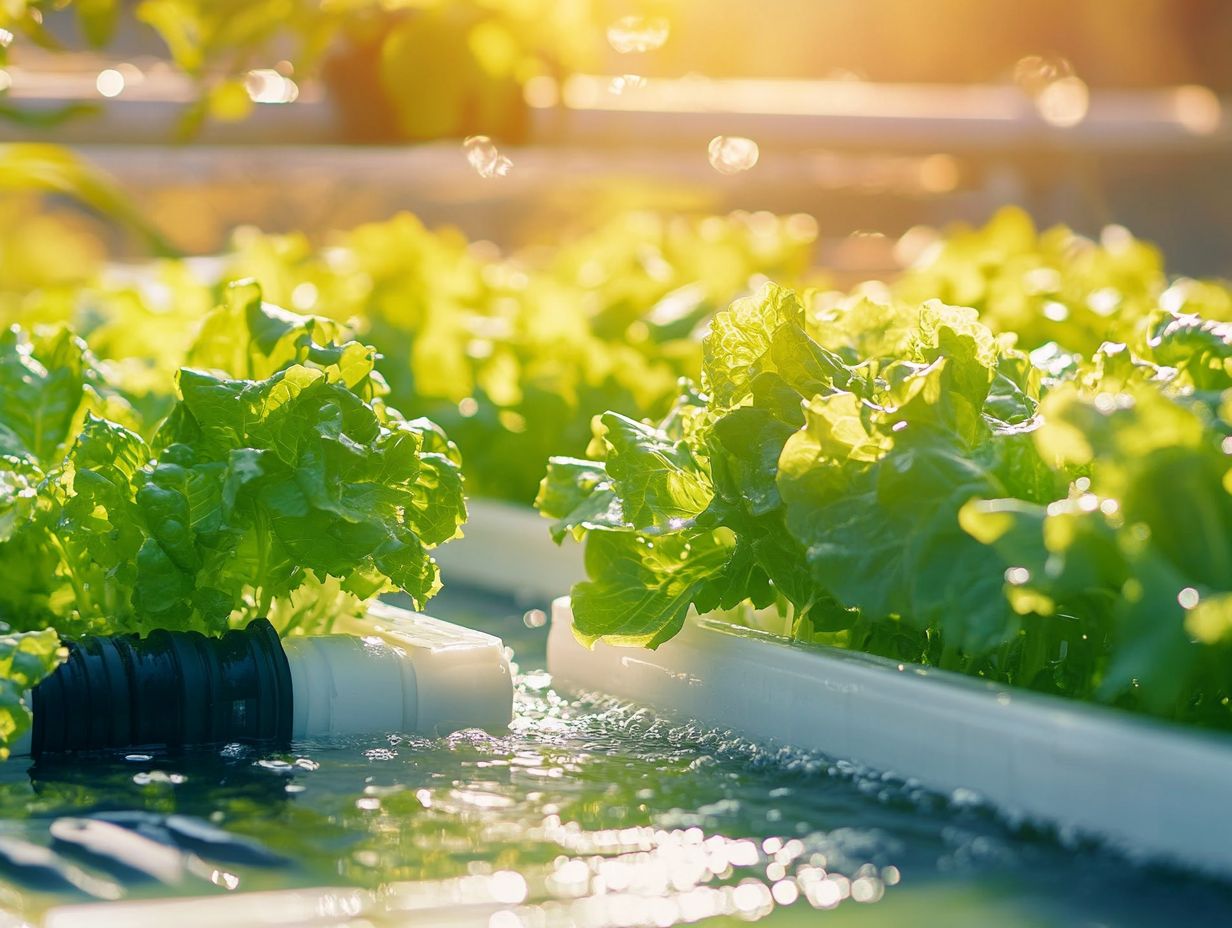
25 659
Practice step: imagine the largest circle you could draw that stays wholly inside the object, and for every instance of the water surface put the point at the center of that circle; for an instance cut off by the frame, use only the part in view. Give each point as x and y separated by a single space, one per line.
586 813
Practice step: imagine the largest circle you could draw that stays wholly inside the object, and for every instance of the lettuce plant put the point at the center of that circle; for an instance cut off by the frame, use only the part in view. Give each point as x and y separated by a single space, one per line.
281 485
894 478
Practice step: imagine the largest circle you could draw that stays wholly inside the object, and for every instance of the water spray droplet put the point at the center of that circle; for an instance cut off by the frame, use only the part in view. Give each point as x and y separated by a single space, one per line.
1033 73
485 158
266 85
632 34
110 83
731 154
1197 109
626 82
1064 102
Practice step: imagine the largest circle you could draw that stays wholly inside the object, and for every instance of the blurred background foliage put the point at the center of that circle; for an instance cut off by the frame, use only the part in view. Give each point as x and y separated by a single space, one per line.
410 69
421 69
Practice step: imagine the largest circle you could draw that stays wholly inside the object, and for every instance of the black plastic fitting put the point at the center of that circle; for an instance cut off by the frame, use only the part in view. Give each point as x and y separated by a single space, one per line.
167 690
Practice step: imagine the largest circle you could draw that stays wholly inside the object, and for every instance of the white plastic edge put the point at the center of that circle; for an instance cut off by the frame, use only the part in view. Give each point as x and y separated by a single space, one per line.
451 677
345 684
1145 788
507 548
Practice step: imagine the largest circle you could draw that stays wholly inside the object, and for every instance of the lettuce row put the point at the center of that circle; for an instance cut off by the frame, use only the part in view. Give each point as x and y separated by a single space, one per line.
514 355
895 478
281 484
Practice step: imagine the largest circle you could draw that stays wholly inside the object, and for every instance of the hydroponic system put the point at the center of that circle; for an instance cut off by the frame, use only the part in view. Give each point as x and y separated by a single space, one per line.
542 463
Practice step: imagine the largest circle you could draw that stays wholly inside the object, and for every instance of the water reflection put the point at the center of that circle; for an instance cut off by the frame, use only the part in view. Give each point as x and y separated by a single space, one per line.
585 813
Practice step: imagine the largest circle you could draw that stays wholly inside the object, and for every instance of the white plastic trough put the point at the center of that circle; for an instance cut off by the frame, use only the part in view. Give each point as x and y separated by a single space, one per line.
507 548
1146 789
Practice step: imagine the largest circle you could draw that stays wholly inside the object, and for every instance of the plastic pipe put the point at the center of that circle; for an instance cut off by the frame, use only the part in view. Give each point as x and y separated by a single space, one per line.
397 671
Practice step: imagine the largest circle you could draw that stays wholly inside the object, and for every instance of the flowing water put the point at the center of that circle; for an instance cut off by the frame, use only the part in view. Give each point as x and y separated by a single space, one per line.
585 813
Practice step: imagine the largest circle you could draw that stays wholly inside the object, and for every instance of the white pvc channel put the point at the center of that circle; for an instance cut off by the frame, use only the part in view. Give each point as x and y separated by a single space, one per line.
1147 789
507 548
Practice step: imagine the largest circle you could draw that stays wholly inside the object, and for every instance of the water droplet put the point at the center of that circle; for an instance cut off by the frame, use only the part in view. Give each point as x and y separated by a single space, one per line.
632 34
508 887
224 879
265 85
110 82
939 173
1188 597
867 889
1064 102
1017 576
541 92
963 798
485 158
823 894
1197 108
535 618
626 82
304 296
132 74
785 892
145 778
1033 73
731 154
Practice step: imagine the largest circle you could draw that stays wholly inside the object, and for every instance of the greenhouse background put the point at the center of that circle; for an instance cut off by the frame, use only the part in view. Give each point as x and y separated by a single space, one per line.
867 362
